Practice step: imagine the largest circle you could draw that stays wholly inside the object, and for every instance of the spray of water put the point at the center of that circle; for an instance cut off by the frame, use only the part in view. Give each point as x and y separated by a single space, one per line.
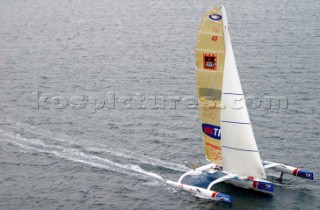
80 152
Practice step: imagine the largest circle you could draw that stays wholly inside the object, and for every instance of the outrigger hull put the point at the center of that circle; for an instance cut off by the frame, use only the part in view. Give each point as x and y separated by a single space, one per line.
285 169
201 192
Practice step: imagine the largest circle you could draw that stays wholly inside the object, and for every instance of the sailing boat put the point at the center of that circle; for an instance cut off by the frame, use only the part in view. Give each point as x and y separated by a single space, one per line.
228 138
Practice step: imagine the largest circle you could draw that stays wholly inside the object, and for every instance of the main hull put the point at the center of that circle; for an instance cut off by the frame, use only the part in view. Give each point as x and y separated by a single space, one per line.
204 179
200 182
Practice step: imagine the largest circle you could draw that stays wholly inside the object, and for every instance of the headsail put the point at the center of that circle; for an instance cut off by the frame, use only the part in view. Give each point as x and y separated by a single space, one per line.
210 56
239 149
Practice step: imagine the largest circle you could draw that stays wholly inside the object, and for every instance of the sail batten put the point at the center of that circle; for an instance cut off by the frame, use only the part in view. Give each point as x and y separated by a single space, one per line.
241 123
245 150
239 94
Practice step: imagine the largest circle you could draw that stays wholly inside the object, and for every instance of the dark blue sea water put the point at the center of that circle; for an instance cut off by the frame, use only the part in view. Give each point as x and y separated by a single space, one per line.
96 101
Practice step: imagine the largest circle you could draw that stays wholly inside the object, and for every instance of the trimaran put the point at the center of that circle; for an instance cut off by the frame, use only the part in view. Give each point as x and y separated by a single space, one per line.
227 133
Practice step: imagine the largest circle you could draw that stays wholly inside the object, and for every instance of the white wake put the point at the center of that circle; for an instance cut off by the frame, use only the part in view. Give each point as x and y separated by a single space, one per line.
81 152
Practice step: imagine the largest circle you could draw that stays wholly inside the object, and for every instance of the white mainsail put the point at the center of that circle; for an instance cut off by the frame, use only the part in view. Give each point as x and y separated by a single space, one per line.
240 153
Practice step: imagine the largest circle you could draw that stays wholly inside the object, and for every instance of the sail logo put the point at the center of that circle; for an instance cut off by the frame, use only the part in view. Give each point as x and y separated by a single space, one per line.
305 174
209 62
224 197
214 38
212 131
215 17
265 186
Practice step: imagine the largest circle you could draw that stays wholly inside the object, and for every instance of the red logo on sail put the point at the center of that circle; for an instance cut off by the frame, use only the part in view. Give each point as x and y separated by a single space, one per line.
214 38
210 62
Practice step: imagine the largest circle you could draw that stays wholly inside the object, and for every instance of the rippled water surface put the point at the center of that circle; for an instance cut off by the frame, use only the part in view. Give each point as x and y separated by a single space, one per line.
75 132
